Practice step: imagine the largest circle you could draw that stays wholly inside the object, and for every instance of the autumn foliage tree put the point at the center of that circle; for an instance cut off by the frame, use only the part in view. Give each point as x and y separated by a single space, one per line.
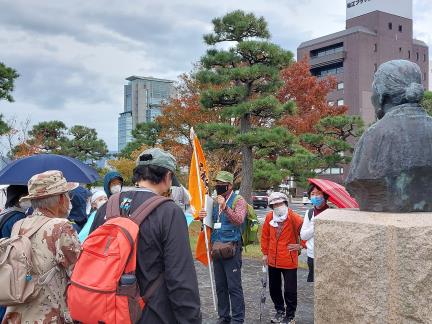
310 95
324 131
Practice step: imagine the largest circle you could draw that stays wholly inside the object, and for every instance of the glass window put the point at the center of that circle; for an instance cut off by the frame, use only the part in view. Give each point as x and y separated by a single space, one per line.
340 86
331 103
400 28
328 70
336 171
417 56
375 47
390 25
328 50
340 102
409 54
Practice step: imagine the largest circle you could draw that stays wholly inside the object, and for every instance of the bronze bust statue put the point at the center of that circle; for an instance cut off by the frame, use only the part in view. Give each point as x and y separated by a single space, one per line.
391 170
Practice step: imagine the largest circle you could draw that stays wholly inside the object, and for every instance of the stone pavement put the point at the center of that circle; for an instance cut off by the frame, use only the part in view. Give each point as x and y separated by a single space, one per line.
251 276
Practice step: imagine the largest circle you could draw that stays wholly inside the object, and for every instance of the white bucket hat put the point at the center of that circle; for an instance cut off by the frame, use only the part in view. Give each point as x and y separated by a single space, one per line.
277 197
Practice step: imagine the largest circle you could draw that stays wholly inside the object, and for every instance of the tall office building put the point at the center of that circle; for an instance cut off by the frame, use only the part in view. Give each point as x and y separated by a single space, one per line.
376 31
143 97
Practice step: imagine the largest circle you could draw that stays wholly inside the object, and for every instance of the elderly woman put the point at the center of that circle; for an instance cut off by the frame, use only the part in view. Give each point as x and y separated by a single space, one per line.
391 170
56 249
279 245
319 201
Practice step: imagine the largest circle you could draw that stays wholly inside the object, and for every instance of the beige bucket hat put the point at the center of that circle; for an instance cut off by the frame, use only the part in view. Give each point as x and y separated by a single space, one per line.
49 183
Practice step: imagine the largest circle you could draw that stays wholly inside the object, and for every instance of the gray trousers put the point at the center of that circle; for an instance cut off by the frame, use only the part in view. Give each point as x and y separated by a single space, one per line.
229 287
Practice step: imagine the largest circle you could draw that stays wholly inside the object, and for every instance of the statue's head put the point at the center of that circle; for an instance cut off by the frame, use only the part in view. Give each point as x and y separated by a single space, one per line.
395 83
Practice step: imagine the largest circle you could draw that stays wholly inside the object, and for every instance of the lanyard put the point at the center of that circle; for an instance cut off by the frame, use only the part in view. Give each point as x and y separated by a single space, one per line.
220 211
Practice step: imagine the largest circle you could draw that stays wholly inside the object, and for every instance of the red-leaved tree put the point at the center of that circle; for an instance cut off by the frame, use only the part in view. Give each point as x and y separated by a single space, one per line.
310 95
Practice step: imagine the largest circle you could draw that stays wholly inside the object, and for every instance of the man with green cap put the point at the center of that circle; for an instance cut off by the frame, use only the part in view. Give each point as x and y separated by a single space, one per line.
229 212
163 244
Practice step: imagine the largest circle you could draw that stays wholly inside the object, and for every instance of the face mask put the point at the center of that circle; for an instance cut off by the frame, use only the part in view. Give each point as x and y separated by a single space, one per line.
280 214
69 208
281 211
26 204
100 203
88 208
317 200
221 189
115 189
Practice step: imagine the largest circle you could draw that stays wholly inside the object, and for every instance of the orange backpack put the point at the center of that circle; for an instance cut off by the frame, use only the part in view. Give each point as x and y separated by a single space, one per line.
103 286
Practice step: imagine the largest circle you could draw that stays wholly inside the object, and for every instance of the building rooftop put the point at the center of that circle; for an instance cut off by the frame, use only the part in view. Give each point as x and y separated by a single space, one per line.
135 77
346 32
419 42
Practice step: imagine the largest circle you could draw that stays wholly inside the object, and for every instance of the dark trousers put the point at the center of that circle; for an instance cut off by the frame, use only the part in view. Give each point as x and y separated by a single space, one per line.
290 289
229 287
310 263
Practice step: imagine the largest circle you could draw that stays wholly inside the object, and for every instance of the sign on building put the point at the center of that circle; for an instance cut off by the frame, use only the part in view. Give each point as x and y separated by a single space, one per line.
355 8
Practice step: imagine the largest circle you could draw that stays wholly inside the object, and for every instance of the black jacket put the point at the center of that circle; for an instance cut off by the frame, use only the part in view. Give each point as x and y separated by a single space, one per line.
163 246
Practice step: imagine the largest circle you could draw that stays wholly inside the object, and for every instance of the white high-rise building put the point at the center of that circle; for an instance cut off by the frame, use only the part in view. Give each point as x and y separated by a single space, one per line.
143 97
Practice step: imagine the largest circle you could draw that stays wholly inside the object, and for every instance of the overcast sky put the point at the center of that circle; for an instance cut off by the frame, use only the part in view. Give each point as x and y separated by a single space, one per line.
73 56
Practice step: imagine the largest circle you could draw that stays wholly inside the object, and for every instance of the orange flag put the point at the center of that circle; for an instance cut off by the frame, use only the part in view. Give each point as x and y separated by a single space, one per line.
198 177
198 189
201 252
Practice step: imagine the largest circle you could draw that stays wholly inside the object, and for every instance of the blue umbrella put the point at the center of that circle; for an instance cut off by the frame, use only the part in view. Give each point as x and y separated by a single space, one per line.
20 171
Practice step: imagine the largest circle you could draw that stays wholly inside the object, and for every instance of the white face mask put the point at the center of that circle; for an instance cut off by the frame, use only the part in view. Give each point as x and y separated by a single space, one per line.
100 203
279 215
88 208
26 204
281 211
70 208
115 189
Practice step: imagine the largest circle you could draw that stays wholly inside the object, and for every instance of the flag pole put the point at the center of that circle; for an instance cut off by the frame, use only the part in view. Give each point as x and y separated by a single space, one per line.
192 134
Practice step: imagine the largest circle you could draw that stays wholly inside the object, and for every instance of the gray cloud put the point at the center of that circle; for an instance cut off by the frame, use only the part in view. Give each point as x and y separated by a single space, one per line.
50 84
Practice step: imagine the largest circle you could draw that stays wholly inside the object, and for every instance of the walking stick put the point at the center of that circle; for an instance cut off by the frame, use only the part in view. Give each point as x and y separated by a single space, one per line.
263 295
210 268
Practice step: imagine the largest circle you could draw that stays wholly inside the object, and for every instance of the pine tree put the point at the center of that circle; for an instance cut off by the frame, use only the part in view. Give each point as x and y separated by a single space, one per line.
242 82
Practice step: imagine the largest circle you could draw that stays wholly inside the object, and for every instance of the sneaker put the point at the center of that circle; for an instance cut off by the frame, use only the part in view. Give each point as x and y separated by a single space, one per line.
279 316
223 321
289 320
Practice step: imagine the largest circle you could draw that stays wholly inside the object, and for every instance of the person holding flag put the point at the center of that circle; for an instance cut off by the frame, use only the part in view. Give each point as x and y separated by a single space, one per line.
228 215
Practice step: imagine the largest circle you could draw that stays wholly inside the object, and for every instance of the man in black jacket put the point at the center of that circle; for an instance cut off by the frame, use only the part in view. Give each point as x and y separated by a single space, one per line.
163 244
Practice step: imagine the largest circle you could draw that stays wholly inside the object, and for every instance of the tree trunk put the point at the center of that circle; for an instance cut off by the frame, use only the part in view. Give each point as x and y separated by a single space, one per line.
247 162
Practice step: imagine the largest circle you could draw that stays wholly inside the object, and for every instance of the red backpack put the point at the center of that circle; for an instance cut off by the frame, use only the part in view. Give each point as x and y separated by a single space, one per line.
103 286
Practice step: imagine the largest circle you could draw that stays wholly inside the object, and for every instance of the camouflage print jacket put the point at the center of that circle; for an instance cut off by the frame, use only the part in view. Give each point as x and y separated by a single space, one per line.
55 244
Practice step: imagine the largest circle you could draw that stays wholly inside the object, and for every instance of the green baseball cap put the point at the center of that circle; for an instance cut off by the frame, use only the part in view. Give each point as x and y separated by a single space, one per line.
225 176
161 158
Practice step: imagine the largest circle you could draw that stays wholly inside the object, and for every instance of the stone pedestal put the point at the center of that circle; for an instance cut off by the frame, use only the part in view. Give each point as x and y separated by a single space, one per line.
373 267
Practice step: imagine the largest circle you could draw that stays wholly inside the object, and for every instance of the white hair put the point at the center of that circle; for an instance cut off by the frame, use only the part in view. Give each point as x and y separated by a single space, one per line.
45 202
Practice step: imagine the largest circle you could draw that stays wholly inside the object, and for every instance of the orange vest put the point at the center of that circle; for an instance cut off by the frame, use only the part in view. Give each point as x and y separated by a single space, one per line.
276 246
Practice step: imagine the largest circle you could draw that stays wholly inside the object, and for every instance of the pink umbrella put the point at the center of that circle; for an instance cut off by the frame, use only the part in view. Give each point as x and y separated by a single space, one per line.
337 193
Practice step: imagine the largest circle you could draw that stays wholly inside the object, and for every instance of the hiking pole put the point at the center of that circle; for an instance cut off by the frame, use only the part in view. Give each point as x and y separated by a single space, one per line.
263 291
206 223
210 268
